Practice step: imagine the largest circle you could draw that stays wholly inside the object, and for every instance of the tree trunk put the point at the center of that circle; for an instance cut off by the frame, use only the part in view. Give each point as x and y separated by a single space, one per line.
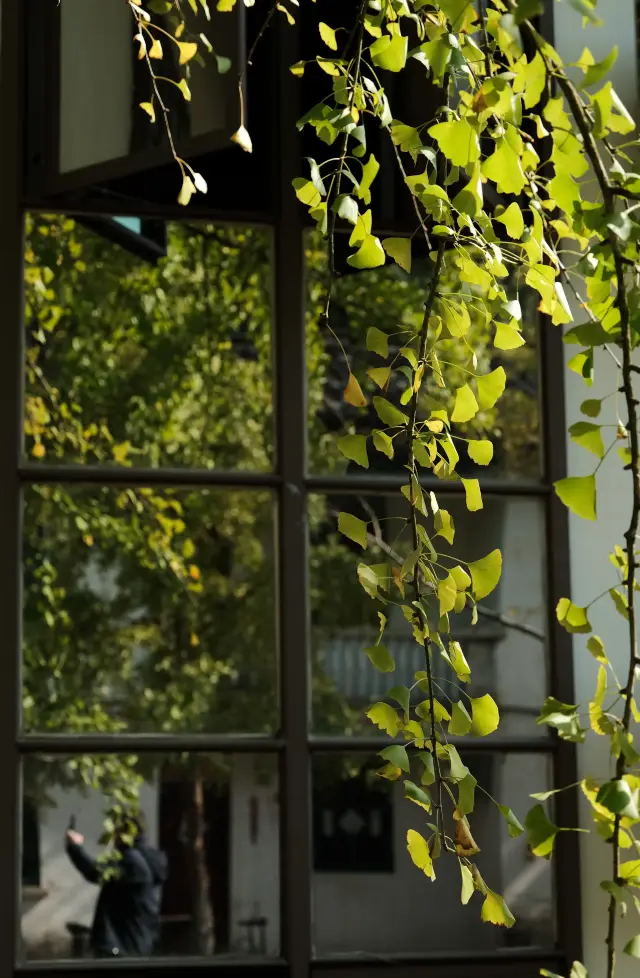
202 909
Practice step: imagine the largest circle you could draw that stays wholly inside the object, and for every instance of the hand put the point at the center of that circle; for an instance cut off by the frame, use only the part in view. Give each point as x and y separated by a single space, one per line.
74 837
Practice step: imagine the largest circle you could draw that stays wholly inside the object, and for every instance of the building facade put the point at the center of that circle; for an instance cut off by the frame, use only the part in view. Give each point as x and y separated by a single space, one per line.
179 608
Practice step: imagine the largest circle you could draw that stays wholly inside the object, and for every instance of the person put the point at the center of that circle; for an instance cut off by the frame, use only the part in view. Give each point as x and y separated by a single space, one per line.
126 919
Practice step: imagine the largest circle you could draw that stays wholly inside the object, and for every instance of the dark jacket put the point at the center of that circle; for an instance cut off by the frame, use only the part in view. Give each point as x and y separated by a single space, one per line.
127 914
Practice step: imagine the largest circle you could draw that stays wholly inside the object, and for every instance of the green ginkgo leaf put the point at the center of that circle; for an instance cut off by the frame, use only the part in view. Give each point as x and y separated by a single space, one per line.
466 406
381 658
485 574
513 221
390 52
354 447
400 250
485 716
491 387
578 493
457 140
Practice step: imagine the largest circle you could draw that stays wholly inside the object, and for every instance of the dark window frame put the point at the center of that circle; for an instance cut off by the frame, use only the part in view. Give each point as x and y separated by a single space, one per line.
294 743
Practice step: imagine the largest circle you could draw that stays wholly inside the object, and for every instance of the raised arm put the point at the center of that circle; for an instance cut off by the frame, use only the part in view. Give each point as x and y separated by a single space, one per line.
81 858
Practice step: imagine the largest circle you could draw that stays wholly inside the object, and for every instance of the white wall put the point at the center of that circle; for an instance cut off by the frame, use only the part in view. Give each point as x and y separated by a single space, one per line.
590 543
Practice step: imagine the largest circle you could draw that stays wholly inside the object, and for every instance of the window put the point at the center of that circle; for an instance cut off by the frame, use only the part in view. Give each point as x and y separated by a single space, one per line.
181 614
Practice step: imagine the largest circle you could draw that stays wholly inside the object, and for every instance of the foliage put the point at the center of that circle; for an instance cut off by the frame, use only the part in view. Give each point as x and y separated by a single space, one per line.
497 172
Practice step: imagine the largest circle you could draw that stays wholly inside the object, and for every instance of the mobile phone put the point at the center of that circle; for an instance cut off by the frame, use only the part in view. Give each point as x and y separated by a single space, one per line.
72 824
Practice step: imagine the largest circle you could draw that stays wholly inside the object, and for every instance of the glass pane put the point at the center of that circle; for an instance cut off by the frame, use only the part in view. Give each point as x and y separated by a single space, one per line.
206 873
149 610
393 302
135 363
97 55
504 661
369 898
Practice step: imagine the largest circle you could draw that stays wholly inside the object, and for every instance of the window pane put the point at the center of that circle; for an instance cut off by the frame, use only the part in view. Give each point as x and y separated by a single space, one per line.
369 898
149 610
512 666
215 818
392 301
131 362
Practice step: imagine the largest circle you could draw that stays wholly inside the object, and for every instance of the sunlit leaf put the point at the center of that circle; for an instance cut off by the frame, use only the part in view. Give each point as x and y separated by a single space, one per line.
541 832
390 52
457 140
419 851
495 910
328 35
480 451
385 718
397 755
485 716
243 139
572 617
473 496
485 574
578 493
513 221
467 884
491 387
466 406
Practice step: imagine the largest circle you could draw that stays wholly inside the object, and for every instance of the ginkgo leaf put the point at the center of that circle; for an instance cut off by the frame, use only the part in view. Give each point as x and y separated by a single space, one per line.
572 617
467 884
353 528
466 406
187 190
485 716
418 848
400 250
508 337
388 413
155 51
383 442
381 658
397 755
188 50
383 716
513 221
390 52
328 35
148 107
457 140
460 723
473 494
578 493
369 255
380 376
491 387
480 451
354 447
589 436
495 911
485 574
353 392
466 845
243 139
541 832
378 342
504 168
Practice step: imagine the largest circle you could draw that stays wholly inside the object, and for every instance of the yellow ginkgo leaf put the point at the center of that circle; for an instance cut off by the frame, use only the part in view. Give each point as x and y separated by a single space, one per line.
353 392
155 51
149 109
188 50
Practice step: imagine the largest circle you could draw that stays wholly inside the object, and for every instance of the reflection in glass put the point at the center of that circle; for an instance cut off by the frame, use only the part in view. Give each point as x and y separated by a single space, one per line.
215 817
393 302
369 898
505 662
148 610
140 364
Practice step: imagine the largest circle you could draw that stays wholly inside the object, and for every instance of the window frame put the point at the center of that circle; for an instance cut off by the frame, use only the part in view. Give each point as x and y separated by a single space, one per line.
295 744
